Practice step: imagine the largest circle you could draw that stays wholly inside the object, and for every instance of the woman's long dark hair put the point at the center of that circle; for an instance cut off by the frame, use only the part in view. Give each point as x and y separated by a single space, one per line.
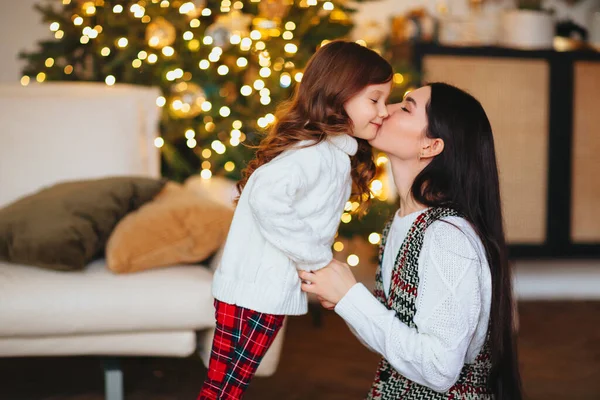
465 177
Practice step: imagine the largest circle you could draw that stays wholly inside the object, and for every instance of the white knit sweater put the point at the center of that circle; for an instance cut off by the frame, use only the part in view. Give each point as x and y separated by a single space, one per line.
285 220
453 305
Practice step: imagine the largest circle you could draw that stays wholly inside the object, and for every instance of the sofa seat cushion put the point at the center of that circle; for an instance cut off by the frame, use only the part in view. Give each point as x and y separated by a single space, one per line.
36 302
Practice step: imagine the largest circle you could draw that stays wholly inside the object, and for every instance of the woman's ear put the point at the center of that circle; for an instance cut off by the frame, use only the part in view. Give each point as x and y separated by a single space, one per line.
433 148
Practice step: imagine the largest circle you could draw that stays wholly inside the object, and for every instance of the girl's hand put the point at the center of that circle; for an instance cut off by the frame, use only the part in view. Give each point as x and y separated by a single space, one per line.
330 283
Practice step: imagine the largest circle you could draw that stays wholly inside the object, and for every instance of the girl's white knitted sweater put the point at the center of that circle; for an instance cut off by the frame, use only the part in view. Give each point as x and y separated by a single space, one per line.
285 220
453 304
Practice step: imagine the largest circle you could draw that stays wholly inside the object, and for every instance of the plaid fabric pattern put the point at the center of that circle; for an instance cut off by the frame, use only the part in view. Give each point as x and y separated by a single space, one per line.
242 337
388 383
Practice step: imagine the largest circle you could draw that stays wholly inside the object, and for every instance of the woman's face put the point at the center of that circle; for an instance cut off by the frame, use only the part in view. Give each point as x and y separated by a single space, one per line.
402 134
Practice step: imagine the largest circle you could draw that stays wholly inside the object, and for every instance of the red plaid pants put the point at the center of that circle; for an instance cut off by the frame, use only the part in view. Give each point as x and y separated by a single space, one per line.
242 337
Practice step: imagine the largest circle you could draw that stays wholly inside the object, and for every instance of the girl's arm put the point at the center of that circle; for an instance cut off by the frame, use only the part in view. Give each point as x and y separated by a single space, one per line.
271 200
448 307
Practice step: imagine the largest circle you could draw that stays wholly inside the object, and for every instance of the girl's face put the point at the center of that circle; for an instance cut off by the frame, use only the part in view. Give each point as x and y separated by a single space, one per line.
402 134
367 110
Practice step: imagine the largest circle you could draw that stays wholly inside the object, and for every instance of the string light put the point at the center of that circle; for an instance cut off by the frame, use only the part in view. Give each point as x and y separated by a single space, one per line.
54 26
122 42
206 174
338 246
25 80
353 260
159 142
41 77
374 238
118 9
346 218
110 80
161 101
229 166
190 134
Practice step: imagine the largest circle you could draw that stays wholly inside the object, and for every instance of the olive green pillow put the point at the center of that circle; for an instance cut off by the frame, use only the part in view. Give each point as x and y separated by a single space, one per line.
67 225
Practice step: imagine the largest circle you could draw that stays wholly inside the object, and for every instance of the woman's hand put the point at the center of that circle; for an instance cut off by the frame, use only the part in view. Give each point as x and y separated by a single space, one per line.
330 284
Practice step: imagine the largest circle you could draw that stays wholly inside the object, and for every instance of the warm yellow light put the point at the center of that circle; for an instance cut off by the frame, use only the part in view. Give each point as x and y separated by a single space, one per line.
265 100
68 69
49 62
161 101
246 90
328 6
214 57
346 218
205 174
136 63
191 143
206 106
164 4
194 45
376 185
187 35
259 84
374 238
152 58
242 62
398 78
195 23
338 246
262 122
287 35
206 153
260 45
168 51
312 2
285 80
361 42
206 12
245 44
381 160
54 26
84 40
187 8
190 134
353 260
206 165
290 26
229 166
298 76
159 142
122 42
237 124
78 21
41 77
207 40
255 35
25 80
110 80
235 39
223 70
265 72
204 64
348 206
224 111
218 146
290 48
142 55
59 34
118 9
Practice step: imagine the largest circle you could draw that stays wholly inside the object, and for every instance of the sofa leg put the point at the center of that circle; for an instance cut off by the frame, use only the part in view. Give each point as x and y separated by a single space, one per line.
113 379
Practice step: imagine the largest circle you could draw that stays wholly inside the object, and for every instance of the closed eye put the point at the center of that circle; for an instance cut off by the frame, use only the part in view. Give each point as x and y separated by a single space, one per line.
404 109
374 101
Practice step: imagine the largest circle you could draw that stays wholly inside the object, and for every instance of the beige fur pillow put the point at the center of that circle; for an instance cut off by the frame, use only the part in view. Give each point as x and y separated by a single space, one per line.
178 226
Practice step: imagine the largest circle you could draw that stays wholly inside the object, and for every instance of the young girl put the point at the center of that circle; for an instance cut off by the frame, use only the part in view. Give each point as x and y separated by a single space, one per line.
292 197
441 315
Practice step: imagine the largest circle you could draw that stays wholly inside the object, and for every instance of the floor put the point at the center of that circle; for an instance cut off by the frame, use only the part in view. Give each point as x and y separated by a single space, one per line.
559 352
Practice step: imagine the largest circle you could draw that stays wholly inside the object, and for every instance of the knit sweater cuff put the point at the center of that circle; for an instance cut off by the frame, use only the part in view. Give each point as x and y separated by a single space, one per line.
357 305
317 265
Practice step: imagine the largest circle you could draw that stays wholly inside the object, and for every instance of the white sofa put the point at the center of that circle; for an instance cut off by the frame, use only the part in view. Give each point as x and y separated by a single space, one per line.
64 131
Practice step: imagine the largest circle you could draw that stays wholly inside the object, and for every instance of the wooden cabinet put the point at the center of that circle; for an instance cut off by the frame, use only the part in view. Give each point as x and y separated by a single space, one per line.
544 107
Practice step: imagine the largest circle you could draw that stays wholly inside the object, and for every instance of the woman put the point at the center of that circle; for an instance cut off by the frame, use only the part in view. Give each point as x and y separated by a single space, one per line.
441 315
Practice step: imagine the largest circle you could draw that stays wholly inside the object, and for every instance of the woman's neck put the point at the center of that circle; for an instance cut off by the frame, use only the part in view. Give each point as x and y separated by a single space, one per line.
404 176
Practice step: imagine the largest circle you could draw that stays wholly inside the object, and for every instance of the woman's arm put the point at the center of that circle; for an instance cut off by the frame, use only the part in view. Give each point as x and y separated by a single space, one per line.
448 307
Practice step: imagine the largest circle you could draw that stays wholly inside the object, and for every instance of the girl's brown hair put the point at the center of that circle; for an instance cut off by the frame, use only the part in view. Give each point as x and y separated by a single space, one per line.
334 74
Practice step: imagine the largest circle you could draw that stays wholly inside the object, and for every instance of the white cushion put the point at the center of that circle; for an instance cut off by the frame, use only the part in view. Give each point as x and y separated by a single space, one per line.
36 302
64 131
172 344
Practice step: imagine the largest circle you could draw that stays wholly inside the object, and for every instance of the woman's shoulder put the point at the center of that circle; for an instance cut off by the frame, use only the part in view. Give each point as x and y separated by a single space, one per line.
455 234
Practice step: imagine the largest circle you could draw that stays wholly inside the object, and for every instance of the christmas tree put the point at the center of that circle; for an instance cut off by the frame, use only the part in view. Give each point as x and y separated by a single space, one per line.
223 67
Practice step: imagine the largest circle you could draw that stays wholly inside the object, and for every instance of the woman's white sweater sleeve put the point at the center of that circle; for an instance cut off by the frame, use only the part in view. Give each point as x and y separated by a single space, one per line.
271 201
448 306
